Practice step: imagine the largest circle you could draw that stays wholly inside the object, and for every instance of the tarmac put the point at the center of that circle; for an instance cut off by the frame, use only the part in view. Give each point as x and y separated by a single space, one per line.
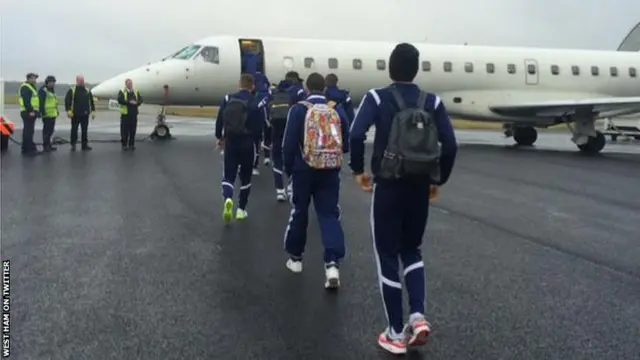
529 253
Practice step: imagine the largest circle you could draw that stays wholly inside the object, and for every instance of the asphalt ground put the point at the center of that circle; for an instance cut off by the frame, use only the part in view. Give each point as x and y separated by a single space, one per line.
529 253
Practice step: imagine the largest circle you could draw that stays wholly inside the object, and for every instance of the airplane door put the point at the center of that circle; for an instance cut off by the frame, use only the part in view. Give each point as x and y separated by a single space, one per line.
532 73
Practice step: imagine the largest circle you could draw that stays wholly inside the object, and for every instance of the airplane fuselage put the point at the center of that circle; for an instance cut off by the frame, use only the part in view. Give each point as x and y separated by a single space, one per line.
469 79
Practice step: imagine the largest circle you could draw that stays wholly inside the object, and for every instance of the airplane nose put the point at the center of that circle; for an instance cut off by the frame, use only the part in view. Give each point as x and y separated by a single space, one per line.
106 89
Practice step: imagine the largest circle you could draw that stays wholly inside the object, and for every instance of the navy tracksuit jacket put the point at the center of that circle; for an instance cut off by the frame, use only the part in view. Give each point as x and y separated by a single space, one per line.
342 97
263 96
239 150
321 185
399 208
296 94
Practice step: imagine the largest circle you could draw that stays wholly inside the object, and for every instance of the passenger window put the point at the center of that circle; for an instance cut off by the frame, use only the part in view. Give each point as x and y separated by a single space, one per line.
468 67
426 66
381 64
575 70
613 71
287 61
308 63
491 68
633 72
555 69
531 69
210 54
357 64
333 63
187 52
511 68
595 71
448 66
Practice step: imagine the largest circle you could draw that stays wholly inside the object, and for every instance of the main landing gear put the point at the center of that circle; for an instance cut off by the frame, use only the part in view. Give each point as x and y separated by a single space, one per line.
523 135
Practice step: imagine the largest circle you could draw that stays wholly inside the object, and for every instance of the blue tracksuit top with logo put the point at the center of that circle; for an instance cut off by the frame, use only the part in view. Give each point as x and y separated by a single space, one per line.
378 108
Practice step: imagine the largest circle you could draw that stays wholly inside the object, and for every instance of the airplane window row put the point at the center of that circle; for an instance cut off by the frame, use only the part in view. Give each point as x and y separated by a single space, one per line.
490 68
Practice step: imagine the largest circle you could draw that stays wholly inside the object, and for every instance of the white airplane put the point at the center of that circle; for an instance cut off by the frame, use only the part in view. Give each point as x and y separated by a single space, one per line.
523 88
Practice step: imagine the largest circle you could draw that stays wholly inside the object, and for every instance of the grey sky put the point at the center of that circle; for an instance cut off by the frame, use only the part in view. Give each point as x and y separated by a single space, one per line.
109 37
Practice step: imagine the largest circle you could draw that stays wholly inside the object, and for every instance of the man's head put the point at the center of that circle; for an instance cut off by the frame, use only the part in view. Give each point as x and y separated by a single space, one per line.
32 78
403 63
247 82
292 77
331 80
128 84
79 80
315 83
50 81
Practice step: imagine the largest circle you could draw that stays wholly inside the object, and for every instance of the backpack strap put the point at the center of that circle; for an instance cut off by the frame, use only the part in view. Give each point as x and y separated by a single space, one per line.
398 98
422 100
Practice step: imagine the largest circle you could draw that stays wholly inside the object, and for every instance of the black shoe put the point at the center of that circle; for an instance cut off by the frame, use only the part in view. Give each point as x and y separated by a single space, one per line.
73 147
125 148
132 148
31 153
86 148
49 148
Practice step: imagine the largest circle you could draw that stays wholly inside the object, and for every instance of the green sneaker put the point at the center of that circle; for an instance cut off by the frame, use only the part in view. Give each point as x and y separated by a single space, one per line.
241 214
227 211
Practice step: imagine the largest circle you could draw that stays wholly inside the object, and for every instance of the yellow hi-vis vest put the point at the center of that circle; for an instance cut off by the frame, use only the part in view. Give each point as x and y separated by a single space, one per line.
35 99
73 98
51 105
124 109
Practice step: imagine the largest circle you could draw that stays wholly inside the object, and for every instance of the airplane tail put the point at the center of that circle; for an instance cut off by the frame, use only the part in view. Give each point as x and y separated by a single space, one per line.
632 41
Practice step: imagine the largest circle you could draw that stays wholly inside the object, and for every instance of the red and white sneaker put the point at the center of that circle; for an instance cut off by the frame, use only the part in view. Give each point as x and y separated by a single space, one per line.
417 332
397 346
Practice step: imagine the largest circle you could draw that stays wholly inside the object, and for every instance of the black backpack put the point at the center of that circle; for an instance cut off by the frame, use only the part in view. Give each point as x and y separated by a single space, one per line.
235 115
413 148
279 107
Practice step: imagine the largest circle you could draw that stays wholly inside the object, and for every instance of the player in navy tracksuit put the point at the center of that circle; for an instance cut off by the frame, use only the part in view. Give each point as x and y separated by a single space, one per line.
239 150
321 185
264 137
399 208
292 86
341 97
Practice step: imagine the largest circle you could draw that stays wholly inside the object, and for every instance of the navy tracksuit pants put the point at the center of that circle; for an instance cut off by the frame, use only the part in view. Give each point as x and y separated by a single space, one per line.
238 155
399 212
277 134
324 187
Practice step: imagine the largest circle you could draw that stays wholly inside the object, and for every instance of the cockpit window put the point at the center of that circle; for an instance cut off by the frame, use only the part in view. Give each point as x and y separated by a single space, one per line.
186 53
210 54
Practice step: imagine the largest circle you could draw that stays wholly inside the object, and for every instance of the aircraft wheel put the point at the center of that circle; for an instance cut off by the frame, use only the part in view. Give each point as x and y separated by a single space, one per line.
525 136
161 132
594 145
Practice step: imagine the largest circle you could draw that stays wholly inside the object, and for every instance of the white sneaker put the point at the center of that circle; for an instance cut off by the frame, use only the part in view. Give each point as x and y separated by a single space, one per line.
241 214
256 172
332 274
294 265
267 162
281 195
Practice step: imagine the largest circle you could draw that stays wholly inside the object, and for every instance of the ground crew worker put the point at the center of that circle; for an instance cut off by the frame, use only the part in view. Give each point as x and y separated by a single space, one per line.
49 111
341 97
239 119
79 105
129 100
313 163
6 130
400 206
29 112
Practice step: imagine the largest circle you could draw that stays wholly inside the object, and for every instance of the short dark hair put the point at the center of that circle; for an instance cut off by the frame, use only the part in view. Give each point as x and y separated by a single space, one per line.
331 79
293 77
247 81
403 62
315 82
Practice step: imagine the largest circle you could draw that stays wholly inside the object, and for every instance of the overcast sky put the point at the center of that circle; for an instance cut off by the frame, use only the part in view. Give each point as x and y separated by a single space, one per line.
101 38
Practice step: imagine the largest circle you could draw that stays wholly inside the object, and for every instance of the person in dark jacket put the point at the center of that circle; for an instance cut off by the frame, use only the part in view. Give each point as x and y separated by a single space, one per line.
323 185
29 112
239 148
49 111
400 208
79 106
340 96
129 100
291 87
263 140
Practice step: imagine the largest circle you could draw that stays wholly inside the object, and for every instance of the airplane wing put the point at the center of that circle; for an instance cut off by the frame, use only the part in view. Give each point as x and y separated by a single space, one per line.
601 108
